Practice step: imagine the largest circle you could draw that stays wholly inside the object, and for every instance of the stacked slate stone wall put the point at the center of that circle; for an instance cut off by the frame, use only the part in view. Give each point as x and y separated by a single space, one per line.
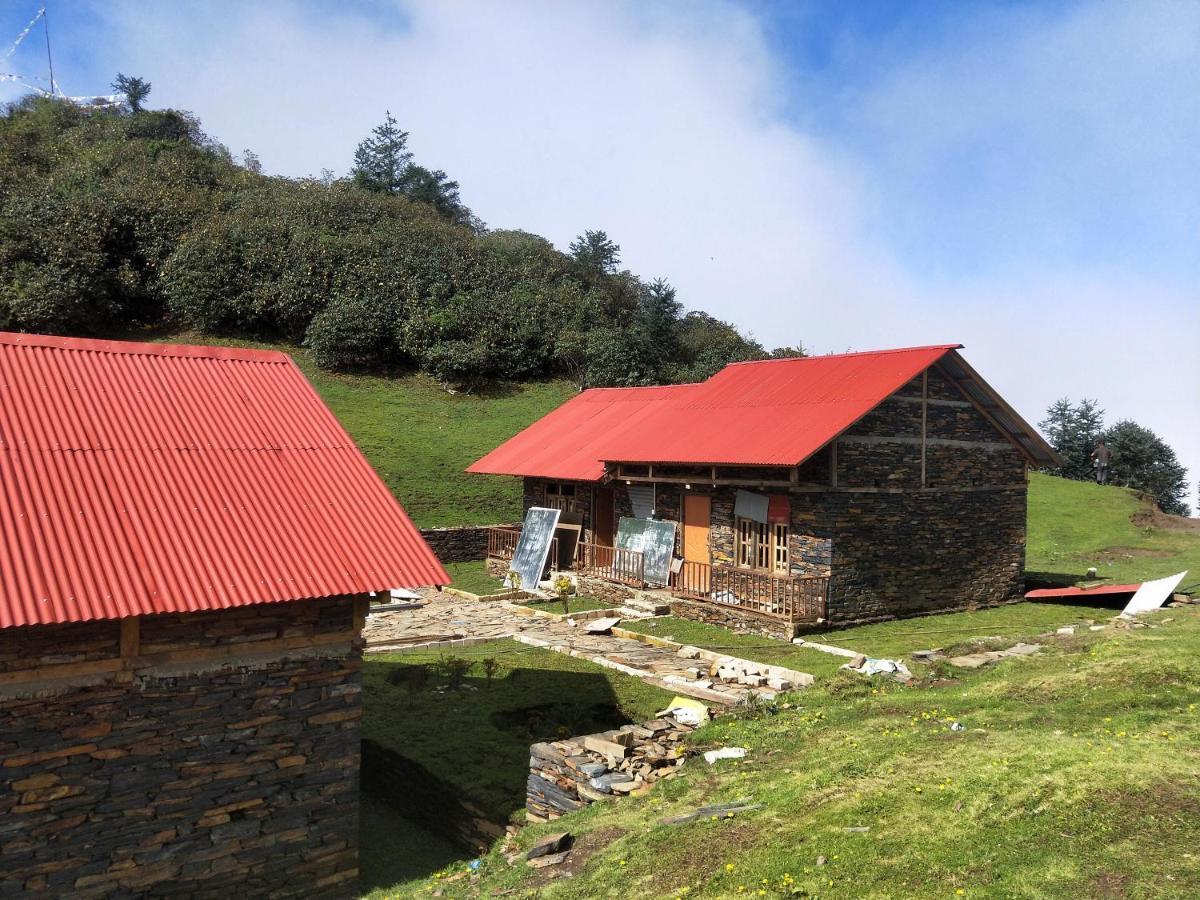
464 543
903 554
223 767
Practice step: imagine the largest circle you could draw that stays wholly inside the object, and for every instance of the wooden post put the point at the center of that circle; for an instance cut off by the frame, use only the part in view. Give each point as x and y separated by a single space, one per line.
833 463
924 419
131 646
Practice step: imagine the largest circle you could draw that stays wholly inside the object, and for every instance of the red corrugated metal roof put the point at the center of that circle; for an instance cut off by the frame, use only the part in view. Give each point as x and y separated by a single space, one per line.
562 444
773 412
148 478
1076 593
770 412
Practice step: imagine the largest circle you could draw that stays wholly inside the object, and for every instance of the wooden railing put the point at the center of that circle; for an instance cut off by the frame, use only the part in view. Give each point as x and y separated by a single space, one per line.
794 599
594 560
613 563
502 542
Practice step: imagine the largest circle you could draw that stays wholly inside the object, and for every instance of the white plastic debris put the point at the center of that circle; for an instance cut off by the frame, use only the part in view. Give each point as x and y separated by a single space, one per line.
892 667
711 756
1152 594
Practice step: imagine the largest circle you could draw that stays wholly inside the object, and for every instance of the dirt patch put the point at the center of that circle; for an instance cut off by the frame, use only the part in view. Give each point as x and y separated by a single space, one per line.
1152 517
581 851
1108 884
1114 553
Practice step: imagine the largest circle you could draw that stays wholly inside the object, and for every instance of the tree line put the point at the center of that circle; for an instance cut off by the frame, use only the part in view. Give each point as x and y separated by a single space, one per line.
119 219
1140 458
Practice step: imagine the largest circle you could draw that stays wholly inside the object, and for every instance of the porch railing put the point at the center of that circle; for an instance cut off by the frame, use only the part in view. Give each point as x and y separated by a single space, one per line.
502 542
593 560
613 563
792 598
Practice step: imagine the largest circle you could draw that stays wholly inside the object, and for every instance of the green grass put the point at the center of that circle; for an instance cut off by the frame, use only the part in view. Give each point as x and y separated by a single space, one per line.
575 605
473 577
477 739
892 640
1074 525
1075 776
394 849
420 438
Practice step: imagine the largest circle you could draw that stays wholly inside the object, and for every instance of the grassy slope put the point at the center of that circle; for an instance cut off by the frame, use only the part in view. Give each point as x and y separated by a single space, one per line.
1074 525
894 640
1076 775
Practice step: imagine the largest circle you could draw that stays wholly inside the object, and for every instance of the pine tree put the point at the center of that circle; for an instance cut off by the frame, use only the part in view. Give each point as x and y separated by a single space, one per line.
381 161
596 253
135 90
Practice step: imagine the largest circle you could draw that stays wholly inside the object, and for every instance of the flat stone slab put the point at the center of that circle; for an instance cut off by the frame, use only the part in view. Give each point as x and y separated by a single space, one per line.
975 660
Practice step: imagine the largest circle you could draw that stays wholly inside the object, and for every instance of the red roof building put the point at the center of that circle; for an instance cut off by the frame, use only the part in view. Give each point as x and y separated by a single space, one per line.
150 478
189 543
763 413
797 468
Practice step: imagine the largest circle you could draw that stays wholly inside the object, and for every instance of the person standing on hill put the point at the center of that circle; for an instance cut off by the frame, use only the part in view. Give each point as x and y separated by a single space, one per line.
1100 458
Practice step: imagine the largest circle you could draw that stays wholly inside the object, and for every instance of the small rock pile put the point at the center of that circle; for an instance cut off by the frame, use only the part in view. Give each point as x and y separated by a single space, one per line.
568 775
713 669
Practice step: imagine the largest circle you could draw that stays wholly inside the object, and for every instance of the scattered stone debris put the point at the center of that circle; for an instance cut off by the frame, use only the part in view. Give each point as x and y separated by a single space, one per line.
821 860
975 660
927 655
721 811
571 774
552 845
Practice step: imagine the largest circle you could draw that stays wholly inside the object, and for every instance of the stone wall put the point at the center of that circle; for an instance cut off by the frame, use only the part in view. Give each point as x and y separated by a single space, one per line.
604 591
743 621
224 759
904 554
464 543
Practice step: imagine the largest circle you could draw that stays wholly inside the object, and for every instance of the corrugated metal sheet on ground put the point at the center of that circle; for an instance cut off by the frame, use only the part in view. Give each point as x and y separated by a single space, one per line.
145 478
1076 593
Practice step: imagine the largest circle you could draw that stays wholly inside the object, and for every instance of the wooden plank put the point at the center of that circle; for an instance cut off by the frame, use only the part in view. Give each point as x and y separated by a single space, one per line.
131 640
924 421
63 670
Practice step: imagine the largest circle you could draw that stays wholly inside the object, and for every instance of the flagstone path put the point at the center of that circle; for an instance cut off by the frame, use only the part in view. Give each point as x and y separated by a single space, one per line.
447 619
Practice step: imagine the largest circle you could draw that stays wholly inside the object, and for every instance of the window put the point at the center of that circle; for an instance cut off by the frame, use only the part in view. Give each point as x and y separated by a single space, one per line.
561 496
762 546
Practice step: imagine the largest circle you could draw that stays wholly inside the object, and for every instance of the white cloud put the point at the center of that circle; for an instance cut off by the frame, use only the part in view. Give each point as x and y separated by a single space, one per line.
665 127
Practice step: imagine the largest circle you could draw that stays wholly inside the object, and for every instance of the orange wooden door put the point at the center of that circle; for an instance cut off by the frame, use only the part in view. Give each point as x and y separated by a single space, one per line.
697 518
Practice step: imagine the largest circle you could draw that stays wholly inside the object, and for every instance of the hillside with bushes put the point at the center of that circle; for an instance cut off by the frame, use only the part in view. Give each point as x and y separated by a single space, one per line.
117 220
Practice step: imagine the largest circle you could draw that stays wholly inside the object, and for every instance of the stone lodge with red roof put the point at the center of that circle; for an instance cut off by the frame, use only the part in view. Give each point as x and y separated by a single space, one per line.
808 492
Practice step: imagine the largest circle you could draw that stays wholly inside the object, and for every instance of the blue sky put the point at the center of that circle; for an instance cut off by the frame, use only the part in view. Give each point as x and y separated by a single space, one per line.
1021 177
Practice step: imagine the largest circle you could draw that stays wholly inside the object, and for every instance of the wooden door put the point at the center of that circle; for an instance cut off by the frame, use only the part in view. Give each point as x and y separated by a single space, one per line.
697 518
603 520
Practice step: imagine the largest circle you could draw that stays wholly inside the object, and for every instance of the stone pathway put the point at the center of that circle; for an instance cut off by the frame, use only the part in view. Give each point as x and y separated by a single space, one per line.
445 618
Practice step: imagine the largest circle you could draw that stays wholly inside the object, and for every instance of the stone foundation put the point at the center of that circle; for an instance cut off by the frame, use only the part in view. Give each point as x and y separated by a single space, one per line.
742 621
607 592
223 759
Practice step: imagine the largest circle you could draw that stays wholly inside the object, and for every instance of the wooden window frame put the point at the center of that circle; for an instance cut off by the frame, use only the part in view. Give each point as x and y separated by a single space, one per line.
761 546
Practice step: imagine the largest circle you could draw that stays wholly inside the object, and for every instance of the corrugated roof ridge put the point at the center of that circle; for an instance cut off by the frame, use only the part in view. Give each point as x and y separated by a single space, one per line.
793 359
143 348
